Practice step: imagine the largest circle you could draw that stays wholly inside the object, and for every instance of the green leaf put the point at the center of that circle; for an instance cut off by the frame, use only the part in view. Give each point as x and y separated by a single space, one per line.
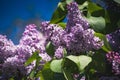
46 73
50 49
80 1
99 61
56 66
32 58
62 24
97 23
117 1
32 74
64 52
68 1
92 8
82 61
69 65
59 14
84 5
67 75
118 23
106 47
11 79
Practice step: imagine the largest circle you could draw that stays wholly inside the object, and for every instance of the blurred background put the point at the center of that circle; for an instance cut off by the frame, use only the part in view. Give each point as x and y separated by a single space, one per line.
16 14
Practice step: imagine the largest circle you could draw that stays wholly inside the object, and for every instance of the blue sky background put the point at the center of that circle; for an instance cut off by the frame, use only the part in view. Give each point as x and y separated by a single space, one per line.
15 14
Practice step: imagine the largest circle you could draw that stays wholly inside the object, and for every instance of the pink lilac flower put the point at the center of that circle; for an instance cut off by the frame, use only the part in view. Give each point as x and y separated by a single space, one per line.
114 59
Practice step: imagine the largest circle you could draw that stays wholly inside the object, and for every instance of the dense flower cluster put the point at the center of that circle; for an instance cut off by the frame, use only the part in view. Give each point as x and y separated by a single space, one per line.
59 52
13 57
114 59
35 40
7 48
77 37
75 17
114 40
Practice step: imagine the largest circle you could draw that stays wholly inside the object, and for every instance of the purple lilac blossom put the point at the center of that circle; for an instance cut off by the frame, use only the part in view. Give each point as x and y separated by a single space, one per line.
33 38
114 59
57 35
77 37
75 17
59 52
13 66
114 40
7 48
31 41
24 51
82 38
47 28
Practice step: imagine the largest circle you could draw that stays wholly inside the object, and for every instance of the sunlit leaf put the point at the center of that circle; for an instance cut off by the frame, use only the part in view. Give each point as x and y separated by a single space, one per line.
56 65
82 61
84 5
62 24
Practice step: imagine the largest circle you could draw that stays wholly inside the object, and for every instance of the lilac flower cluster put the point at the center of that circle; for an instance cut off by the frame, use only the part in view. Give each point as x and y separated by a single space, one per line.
114 40
35 40
7 48
13 66
75 17
13 57
114 59
76 38
59 52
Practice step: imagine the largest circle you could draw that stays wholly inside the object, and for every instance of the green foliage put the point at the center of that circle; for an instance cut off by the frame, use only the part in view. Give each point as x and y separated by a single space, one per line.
81 61
97 23
50 49
97 65
46 73
63 25
118 1
94 9
34 57
70 64
67 74
56 66
84 5
118 24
